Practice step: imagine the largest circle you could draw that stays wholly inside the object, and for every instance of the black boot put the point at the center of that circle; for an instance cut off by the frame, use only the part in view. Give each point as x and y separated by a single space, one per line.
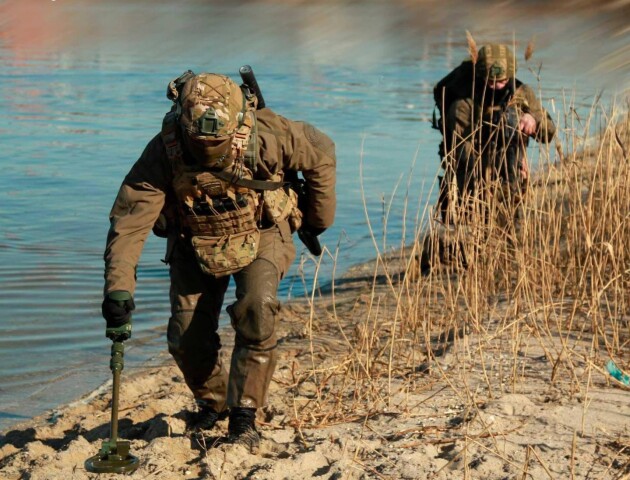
242 428
205 418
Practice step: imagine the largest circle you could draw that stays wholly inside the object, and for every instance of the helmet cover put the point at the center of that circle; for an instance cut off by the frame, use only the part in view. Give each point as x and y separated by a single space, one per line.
211 111
211 106
496 62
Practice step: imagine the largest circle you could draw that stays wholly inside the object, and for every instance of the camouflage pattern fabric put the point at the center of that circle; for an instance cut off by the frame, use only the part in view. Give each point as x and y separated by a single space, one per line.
211 206
295 216
148 187
282 204
196 298
217 93
496 61
220 256
213 113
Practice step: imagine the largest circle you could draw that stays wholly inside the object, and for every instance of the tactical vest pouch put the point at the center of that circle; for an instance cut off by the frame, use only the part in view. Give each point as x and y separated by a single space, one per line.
280 205
220 256
295 217
218 217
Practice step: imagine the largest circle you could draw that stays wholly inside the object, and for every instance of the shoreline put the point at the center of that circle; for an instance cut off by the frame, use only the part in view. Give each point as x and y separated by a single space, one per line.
416 432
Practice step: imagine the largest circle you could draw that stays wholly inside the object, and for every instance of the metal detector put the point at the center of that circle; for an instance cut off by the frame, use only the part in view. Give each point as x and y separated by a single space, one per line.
114 456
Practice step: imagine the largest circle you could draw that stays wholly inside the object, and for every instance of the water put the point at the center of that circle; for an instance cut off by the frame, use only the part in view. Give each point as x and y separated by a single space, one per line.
83 91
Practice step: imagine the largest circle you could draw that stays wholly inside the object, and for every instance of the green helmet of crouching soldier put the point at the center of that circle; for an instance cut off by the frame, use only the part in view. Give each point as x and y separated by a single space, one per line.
212 110
495 62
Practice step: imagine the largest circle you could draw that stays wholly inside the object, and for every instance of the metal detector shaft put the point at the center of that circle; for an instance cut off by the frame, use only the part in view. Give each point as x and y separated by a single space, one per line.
117 363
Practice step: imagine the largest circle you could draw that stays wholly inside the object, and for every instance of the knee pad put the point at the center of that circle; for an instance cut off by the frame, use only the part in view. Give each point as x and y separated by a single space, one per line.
254 316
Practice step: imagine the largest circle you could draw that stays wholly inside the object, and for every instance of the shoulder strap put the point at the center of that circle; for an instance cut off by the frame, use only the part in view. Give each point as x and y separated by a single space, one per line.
251 153
247 183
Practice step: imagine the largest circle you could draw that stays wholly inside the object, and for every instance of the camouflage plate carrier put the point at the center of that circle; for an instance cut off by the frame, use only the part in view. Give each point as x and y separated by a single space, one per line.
220 209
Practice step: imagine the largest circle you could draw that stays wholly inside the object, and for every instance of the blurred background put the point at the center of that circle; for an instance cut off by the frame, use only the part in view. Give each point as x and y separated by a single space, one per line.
83 91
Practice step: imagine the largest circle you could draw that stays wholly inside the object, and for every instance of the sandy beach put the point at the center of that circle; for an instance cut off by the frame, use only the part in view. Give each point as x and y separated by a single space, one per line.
333 415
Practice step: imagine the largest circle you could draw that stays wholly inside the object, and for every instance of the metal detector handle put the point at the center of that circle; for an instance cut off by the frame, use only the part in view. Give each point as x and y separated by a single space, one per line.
249 79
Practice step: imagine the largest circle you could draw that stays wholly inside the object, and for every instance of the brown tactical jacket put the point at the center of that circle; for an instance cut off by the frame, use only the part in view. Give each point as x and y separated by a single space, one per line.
463 111
283 145
462 115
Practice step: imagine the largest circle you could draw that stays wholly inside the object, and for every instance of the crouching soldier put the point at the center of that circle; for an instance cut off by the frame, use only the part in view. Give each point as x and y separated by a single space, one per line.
212 182
487 117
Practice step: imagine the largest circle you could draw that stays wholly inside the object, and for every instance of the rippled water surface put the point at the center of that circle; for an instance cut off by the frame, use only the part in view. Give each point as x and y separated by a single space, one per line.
83 91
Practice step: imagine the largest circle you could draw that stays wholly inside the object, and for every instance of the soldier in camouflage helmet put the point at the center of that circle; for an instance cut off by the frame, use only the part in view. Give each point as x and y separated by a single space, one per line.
487 117
211 182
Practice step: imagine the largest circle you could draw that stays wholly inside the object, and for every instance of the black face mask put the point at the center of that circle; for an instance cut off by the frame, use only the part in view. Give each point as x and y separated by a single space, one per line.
209 152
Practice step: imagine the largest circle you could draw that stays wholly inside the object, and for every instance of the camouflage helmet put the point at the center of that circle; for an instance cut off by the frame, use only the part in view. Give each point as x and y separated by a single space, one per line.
211 109
496 61
212 106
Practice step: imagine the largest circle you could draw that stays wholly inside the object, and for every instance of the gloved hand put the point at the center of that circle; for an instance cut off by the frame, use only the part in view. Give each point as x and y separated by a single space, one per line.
117 307
314 231
308 236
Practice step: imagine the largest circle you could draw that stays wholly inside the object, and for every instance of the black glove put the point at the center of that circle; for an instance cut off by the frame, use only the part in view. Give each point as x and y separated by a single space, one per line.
308 236
117 307
314 231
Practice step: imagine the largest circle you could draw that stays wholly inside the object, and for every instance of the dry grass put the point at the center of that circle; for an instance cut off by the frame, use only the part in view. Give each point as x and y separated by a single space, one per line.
549 299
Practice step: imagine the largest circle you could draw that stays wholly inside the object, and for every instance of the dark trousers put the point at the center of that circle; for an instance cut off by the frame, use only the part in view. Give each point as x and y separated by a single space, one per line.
196 302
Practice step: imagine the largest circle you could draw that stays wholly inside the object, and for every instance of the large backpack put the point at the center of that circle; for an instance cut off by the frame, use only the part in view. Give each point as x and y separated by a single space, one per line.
457 84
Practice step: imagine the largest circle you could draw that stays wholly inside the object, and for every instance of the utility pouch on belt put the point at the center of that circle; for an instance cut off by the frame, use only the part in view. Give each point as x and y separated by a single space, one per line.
220 256
282 204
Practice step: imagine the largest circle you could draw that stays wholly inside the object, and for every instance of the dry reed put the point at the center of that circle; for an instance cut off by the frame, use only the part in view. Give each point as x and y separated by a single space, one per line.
548 297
